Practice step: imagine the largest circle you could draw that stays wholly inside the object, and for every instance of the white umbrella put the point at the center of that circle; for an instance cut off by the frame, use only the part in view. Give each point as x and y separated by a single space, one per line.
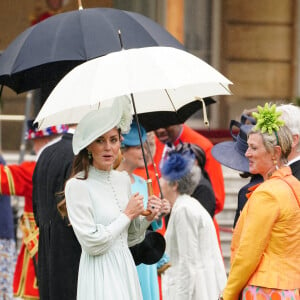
157 78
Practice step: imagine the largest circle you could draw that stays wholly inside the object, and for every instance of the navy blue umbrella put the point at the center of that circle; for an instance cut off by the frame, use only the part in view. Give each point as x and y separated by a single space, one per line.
45 52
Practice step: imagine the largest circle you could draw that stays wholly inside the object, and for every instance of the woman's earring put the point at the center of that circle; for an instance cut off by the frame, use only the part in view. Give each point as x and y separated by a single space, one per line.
275 163
89 155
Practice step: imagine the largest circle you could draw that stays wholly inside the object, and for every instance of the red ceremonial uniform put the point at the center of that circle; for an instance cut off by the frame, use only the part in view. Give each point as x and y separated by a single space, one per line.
17 180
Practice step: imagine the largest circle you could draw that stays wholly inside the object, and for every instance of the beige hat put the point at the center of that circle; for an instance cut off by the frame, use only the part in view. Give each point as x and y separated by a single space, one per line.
98 122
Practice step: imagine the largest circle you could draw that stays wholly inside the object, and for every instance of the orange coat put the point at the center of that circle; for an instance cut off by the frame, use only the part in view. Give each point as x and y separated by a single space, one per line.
266 240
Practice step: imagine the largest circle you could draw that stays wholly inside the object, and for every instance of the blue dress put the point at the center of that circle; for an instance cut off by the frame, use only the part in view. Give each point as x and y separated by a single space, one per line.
147 273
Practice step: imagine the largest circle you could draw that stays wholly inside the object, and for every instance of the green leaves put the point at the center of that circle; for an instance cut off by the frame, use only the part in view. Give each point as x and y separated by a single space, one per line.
267 119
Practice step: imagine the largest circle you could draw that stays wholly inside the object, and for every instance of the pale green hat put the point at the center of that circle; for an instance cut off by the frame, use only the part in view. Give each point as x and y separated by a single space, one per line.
98 122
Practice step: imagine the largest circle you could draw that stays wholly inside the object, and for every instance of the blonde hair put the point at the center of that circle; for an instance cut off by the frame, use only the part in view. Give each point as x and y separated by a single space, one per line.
282 137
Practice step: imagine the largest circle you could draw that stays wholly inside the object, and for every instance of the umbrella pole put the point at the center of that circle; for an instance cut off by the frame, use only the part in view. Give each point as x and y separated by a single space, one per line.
149 181
80 7
1 90
155 168
120 39
156 174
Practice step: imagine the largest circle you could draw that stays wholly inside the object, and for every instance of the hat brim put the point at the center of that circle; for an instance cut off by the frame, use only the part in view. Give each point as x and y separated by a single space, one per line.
93 125
151 250
227 154
98 122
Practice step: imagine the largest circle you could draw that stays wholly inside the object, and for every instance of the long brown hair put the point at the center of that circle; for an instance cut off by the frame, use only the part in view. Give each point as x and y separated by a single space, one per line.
81 162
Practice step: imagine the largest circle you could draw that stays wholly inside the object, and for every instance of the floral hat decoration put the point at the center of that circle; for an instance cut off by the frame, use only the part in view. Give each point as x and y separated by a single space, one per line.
177 164
268 119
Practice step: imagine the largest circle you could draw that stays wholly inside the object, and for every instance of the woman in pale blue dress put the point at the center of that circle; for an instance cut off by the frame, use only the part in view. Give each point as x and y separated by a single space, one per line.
132 159
102 210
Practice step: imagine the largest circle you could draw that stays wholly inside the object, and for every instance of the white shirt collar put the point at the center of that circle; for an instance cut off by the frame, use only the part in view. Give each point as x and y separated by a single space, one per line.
293 160
71 130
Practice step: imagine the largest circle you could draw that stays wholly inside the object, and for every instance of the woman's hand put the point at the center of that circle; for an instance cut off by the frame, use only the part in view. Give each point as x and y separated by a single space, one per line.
154 205
135 206
165 207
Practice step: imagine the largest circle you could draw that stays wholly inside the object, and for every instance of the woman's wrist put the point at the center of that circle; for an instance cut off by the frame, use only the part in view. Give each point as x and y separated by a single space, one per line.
129 215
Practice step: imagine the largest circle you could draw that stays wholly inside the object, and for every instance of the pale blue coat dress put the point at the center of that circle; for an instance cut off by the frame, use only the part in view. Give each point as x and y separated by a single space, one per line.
95 208
147 273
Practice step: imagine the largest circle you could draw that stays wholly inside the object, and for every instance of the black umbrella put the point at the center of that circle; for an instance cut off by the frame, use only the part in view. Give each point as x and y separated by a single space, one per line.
161 119
45 52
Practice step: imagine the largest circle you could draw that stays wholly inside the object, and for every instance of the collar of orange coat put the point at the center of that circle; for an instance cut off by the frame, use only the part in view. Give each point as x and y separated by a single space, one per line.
280 173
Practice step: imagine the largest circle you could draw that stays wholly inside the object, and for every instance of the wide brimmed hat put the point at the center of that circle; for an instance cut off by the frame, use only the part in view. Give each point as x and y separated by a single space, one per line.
34 133
132 137
150 250
98 122
232 153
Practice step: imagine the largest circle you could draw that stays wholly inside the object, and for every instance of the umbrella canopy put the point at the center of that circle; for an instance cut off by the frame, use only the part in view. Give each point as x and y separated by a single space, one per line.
161 79
161 119
48 50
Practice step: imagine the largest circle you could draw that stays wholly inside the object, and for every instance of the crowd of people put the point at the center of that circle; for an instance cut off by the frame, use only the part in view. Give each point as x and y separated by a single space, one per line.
114 212
93 227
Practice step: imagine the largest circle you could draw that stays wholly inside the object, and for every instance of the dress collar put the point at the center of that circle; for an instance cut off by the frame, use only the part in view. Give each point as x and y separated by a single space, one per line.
280 173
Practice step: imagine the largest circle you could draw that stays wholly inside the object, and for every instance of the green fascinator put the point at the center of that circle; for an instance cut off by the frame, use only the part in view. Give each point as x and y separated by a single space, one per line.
267 119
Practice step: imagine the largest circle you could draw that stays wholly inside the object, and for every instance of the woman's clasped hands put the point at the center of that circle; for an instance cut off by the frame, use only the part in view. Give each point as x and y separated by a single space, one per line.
135 206
165 207
154 205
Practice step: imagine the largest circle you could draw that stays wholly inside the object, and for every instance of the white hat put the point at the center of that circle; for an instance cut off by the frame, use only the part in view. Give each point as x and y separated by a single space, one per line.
98 122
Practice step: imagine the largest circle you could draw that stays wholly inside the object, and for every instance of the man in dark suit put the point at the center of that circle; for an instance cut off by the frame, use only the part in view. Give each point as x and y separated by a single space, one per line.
59 250
291 117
